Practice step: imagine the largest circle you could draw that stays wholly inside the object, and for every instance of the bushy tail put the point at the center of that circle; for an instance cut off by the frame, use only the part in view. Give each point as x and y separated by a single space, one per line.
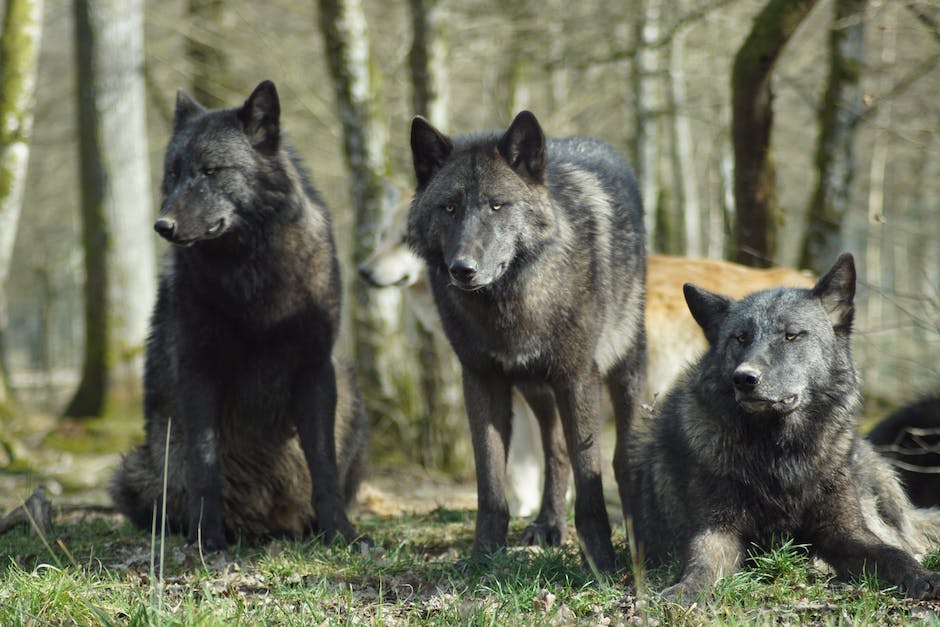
137 490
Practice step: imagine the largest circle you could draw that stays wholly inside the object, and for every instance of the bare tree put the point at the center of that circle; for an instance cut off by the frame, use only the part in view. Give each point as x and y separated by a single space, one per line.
752 122
382 359
839 112
116 203
19 60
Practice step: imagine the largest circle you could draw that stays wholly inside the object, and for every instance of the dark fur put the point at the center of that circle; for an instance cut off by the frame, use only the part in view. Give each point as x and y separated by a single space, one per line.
239 355
910 437
535 252
757 443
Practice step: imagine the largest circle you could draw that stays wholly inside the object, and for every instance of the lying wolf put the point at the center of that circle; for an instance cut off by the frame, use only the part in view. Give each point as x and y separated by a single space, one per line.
758 442
266 434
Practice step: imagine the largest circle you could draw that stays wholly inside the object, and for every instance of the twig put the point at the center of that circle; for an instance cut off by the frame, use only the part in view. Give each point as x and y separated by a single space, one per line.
35 511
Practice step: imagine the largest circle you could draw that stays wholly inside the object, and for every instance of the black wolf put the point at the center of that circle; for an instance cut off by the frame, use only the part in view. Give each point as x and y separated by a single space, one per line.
535 255
758 442
910 438
238 364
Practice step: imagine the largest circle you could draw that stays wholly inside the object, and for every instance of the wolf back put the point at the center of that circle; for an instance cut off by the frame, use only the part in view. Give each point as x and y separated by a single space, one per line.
266 434
536 258
758 442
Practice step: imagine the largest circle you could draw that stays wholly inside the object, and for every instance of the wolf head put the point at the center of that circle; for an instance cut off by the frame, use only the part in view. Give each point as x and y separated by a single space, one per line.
212 162
780 349
480 201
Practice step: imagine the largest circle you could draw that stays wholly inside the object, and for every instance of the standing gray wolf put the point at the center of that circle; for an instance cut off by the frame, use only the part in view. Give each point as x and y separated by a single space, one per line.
910 438
266 434
535 255
758 442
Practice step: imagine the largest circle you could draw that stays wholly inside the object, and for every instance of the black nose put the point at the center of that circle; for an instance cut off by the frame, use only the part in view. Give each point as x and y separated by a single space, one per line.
165 227
463 269
746 377
365 272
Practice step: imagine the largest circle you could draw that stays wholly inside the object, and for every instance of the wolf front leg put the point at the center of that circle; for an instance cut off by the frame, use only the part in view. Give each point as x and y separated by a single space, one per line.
548 528
314 410
579 405
854 551
712 553
199 406
489 410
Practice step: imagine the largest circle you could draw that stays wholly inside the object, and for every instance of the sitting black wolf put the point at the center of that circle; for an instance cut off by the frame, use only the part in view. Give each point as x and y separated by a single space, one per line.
535 254
239 364
758 442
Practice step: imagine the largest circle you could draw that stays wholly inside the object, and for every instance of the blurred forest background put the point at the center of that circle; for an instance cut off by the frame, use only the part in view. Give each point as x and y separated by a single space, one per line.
762 131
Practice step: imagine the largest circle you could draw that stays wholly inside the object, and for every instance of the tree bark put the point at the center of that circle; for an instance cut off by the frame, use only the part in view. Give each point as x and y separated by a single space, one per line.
116 203
208 62
19 60
752 124
381 356
839 112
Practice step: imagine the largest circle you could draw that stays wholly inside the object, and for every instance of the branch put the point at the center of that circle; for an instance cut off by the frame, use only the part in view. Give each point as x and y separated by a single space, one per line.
901 86
927 20
35 511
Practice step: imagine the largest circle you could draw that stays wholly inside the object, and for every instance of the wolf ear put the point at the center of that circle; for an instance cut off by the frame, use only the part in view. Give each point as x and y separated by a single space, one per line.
429 149
836 293
261 117
523 147
708 309
186 108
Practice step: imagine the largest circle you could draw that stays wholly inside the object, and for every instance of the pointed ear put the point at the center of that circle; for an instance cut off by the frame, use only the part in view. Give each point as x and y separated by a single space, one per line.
261 117
429 150
836 293
708 309
523 147
186 108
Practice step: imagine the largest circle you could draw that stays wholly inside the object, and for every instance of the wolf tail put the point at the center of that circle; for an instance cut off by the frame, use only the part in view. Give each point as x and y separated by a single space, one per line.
137 491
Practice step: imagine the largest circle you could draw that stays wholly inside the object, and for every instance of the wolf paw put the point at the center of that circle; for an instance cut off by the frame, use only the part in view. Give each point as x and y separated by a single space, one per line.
924 585
543 534
680 593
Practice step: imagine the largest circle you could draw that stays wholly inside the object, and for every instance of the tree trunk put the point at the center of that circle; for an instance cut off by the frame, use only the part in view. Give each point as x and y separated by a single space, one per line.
382 357
19 60
752 123
645 101
116 203
208 62
835 160
427 61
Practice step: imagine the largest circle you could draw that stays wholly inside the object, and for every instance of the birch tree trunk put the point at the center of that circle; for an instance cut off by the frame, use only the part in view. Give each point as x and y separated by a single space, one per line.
752 123
19 60
645 99
116 202
381 355
839 112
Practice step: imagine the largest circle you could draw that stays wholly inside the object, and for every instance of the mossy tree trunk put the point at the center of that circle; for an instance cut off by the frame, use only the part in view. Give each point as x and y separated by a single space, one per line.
839 113
19 60
208 62
382 358
752 123
116 205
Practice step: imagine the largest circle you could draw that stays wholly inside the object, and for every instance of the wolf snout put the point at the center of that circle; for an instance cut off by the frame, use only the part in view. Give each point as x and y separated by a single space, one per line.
165 227
463 270
746 378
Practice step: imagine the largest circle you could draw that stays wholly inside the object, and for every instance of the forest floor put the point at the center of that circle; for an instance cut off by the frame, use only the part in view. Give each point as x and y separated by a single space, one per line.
94 568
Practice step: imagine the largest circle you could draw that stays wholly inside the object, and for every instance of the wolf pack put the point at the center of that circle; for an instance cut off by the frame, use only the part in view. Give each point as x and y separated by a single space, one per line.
734 427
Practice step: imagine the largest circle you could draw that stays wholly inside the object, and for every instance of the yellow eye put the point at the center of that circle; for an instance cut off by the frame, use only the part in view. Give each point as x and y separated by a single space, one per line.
209 171
790 336
449 208
496 206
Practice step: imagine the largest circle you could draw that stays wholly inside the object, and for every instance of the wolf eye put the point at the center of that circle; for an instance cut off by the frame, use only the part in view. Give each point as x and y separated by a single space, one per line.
496 206
789 336
209 171
449 208
742 338
172 175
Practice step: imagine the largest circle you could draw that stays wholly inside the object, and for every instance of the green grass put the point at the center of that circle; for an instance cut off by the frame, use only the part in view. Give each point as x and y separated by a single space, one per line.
100 570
